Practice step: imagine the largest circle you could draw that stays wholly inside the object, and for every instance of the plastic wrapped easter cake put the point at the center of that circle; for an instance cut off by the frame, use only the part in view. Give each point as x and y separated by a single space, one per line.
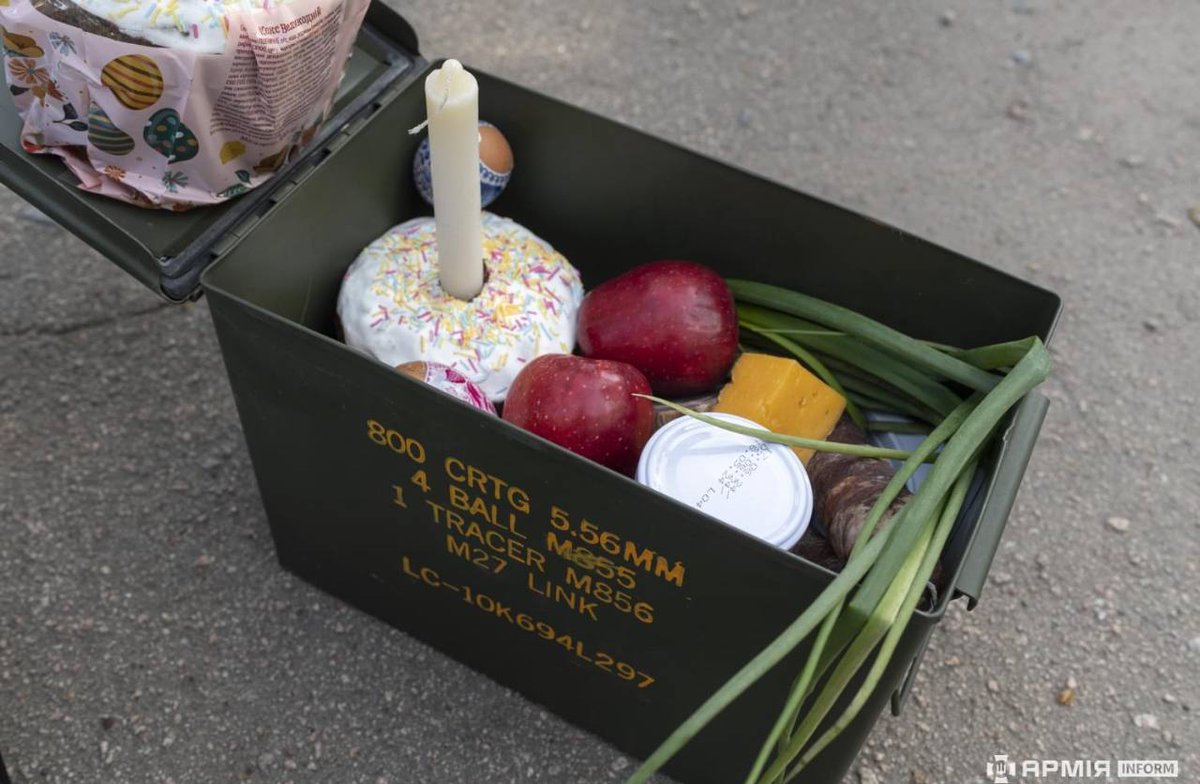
174 103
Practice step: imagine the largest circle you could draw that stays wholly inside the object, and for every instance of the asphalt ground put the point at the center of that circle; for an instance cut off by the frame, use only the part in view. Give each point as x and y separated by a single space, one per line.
147 634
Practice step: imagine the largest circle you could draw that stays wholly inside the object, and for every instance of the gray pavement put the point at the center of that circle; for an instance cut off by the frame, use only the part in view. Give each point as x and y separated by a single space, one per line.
147 634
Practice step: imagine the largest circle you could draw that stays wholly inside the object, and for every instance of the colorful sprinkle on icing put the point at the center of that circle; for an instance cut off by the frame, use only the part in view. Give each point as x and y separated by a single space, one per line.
192 24
392 304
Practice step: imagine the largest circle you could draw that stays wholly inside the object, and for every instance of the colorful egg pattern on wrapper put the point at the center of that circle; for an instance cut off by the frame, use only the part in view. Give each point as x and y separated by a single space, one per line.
495 165
448 380
105 136
135 81
169 137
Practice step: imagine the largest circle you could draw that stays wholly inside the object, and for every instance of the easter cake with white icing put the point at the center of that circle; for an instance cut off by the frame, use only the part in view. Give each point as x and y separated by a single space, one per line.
392 305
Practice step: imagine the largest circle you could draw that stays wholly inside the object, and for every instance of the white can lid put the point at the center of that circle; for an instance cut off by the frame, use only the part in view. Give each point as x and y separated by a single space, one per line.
756 486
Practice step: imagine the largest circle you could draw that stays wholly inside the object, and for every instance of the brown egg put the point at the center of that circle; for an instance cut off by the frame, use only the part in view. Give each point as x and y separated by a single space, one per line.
414 369
494 151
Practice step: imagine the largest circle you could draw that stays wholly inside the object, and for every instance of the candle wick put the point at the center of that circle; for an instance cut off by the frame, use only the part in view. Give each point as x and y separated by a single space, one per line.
418 128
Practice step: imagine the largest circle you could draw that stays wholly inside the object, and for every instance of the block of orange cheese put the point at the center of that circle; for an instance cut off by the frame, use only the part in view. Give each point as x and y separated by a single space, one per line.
783 396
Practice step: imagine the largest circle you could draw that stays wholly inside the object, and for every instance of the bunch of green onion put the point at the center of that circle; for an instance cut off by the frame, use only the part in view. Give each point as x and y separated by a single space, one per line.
961 396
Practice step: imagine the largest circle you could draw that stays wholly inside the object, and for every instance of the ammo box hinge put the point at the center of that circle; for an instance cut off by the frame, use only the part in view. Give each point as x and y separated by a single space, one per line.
285 188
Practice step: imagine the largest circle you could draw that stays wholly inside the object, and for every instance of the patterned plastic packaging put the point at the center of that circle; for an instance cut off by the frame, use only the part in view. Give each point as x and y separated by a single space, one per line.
174 103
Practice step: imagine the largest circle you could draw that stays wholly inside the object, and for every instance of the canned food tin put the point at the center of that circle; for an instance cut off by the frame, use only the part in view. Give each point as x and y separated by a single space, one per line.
758 487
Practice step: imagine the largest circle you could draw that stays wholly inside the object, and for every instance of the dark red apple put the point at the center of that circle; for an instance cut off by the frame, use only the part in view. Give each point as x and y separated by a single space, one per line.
585 405
672 320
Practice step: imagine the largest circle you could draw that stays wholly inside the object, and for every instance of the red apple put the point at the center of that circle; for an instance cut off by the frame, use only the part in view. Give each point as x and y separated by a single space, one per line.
585 405
672 320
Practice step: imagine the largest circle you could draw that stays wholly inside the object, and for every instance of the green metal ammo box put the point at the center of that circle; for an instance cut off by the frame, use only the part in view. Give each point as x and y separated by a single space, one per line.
612 605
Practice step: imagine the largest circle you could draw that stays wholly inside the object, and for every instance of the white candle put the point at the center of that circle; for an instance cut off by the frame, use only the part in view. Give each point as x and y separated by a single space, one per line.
452 106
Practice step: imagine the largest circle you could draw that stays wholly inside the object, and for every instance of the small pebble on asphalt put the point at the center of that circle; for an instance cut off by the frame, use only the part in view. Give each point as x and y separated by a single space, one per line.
1148 720
867 776
1167 219
1021 57
1119 524
1018 110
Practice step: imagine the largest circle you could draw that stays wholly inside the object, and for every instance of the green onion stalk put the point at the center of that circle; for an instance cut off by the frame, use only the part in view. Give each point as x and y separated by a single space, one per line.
858 620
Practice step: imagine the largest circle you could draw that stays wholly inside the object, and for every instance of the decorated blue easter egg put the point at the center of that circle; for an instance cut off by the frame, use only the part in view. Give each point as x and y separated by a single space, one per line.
495 165
166 133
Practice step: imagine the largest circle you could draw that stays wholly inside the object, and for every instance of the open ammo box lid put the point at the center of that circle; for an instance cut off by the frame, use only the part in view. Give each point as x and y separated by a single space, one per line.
166 250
